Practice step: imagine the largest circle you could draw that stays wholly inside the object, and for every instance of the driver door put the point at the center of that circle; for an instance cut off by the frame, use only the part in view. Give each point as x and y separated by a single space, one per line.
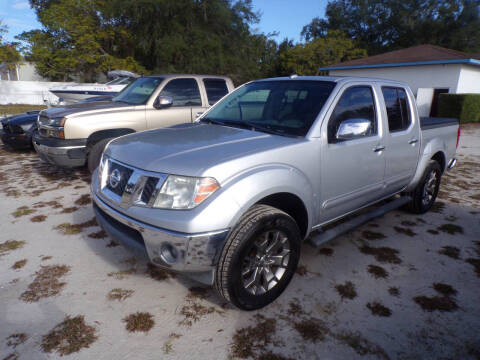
186 100
352 169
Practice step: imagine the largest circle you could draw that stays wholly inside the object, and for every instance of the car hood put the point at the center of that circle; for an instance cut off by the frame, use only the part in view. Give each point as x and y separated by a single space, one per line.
61 111
191 149
22 119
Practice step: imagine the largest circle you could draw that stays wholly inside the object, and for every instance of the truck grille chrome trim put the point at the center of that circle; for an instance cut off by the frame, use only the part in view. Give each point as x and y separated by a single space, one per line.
128 186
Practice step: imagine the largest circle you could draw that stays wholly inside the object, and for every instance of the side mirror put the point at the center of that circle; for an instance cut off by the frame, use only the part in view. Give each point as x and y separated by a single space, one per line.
163 102
352 128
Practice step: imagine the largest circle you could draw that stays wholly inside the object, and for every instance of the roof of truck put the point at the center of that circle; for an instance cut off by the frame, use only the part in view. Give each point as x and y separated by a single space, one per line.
337 79
188 75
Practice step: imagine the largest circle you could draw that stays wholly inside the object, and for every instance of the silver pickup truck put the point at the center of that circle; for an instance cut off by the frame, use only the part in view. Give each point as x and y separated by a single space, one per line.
229 199
72 135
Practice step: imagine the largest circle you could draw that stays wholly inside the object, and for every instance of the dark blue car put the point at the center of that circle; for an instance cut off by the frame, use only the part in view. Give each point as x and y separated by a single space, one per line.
17 130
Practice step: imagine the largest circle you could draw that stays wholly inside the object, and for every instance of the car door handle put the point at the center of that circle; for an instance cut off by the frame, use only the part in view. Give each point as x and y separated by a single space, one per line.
413 141
378 148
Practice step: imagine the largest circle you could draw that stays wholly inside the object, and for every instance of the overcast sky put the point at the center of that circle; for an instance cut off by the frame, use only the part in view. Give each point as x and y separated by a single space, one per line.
285 16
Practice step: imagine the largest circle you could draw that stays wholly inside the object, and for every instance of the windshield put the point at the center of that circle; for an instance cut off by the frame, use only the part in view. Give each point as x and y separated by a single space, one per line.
121 81
283 107
138 92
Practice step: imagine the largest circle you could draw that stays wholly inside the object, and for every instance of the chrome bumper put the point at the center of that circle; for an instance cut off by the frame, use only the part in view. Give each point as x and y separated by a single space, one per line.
196 255
68 156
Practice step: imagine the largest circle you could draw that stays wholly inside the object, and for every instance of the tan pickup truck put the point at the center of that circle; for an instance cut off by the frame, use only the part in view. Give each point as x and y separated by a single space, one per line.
73 135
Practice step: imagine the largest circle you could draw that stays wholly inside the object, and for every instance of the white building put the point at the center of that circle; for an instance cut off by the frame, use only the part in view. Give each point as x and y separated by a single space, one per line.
429 70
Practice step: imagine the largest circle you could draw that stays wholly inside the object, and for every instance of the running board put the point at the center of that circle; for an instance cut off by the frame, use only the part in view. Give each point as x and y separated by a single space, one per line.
327 235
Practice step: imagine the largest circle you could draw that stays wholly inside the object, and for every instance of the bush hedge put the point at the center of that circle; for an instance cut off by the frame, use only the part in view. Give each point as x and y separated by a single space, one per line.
464 107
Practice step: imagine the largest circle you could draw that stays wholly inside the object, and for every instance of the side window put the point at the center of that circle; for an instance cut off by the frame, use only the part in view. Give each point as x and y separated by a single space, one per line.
183 91
396 102
216 89
356 103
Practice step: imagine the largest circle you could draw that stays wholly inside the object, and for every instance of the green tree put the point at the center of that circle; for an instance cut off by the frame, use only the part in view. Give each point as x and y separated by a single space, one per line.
384 25
76 39
307 58
9 56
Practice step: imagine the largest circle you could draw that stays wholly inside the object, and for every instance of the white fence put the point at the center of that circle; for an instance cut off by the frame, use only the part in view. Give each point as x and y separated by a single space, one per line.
28 92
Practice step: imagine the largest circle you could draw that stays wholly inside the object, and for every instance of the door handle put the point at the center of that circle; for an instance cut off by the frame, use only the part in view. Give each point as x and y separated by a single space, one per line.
413 141
378 148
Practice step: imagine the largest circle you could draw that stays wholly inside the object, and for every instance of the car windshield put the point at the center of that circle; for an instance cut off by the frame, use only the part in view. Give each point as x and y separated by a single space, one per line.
283 107
138 92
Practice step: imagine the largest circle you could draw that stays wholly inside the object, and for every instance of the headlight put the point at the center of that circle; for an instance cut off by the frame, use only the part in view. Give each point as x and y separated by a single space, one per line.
103 170
182 192
59 122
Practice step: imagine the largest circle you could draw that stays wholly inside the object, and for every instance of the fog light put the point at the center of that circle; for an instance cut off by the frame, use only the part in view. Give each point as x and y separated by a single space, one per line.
169 253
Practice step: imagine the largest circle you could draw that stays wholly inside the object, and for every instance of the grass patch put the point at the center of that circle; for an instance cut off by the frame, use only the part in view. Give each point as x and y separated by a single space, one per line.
53 204
444 289
69 210
372 235
378 309
23 211
433 232
16 339
294 308
476 265
326 251
70 336
450 251
158 273
83 200
193 311
14 109
301 270
451 229
10 245
249 341
440 303
122 274
45 258
438 207
377 271
361 345
19 264
382 254
140 321
46 283
408 223
98 235
313 330
405 231
168 347
347 290
198 292
72 229
394 291
38 218
119 294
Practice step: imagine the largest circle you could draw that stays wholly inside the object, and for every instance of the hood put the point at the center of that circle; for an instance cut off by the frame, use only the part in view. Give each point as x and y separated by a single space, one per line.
61 111
190 149
22 119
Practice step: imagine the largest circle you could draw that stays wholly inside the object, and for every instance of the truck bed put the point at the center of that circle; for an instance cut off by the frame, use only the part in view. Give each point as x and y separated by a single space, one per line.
434 122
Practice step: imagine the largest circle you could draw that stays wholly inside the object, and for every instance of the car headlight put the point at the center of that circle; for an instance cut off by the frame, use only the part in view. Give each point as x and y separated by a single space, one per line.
58 122
103 170
182 192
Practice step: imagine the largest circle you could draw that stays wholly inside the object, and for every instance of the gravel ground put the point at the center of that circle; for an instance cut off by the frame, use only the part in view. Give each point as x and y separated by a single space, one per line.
400 287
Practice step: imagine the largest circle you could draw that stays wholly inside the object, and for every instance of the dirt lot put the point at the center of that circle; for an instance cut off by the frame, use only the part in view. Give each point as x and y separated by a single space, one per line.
400 287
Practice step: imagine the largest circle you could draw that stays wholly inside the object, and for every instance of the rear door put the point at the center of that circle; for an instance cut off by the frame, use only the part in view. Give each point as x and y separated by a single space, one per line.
352 171
186 100
402 139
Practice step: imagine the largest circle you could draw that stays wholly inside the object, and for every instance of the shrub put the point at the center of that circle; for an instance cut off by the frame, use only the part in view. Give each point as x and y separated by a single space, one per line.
464 107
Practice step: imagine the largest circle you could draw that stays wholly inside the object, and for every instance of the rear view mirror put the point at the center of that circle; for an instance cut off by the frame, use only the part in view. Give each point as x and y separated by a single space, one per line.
163 102
353 128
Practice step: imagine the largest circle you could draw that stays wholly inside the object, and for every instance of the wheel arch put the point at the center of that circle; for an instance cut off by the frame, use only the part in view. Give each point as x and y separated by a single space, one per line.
97 136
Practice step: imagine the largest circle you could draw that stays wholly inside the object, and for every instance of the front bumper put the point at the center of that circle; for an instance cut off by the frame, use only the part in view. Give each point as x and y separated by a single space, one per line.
16 141
196 255
64 153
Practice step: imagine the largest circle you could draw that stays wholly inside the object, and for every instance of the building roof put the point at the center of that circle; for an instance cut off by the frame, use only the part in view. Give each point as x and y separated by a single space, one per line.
415 55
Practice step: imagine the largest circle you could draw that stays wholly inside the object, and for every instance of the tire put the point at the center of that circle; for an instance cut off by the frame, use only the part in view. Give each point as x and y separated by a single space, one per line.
424 195
256 235
95 154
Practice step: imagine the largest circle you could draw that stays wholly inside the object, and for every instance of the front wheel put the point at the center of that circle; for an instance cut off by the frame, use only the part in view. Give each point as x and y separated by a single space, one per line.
95 154
424 195
259 258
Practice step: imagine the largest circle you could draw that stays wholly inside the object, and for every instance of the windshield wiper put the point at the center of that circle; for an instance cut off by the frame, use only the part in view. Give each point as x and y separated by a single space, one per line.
212 121
122 101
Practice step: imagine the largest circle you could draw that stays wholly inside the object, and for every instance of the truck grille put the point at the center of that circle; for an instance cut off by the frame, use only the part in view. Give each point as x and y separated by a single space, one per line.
124 175
130 186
